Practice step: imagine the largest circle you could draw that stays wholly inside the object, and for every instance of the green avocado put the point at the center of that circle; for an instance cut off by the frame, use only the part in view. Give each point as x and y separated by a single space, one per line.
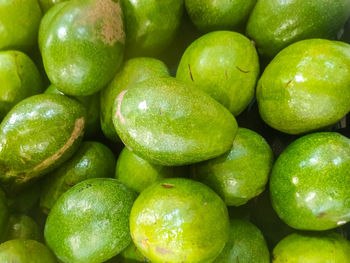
19 24
47 4
25 251
92 106
24 201
309 182
131 254
179 220
82 44
90 222
225 65
306 86
19 78
150 25
275 24
211 15
133 71
241 173
22 227
312 248
36 136
246 244
167 122
92 160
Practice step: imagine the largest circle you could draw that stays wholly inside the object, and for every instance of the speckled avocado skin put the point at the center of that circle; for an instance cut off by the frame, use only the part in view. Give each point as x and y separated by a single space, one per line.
36 136
92 160
309 182
19 78
312 248
22 227
275 24
242 172
19 24
150 25
179 220
82 44
170 123
25 251
211 15
246 244
90 222
306 86
225 65
133 71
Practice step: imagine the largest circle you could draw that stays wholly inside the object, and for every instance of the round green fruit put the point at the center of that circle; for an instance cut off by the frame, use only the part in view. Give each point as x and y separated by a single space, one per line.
47 4
309 182
132 255
179 220
232 79
90 222
22 227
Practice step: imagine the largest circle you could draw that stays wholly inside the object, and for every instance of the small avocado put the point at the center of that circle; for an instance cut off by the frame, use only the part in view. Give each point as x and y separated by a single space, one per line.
309 182
179 220
132 254
22 227
47 4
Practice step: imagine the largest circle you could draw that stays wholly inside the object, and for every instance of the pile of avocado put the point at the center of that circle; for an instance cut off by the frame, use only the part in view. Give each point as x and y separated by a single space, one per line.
175 131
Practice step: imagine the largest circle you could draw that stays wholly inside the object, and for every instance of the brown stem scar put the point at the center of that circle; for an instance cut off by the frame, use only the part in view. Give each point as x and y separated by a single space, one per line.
241 70
168 185
119 99
287 84
189 68
320 215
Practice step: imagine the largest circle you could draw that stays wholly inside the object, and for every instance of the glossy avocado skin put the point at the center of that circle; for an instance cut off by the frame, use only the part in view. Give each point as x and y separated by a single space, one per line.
275 24
90 222
82 44
312 248
92 160
211 15
242 172
150 25
306 86
223 64
36 136
133 71
170 123
22 227
309 182
19 78
179 220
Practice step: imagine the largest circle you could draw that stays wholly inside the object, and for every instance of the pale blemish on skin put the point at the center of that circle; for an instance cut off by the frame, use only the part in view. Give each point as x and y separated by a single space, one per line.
120 99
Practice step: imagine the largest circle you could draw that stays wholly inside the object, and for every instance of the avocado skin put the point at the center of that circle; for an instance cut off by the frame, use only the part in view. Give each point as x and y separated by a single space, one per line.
22 227
306 86
47 4
275 24
309 182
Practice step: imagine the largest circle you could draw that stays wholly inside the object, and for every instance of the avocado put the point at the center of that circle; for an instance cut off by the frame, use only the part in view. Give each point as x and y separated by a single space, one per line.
22 227
131 254
47 4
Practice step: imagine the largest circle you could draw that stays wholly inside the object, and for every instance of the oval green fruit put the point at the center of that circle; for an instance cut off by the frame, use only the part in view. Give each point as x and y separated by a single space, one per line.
25 251
92 160
36 136
22 227
179 220
168 122
82 44
47 4
150 25
133 71
132 255
312 248
306 86
233 78
211 15
90 222
275 24
309 182
19 78
241 173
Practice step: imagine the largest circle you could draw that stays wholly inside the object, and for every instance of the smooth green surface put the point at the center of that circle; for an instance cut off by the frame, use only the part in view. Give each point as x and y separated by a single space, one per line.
211 15
22 227
242 172
133 71
150 25
132 254
47 4
82 44
168 122
275 24
309 182
246 245
312 248
92 160
306 86
19 24
223 64
36 136
19 78
179 220
90 222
